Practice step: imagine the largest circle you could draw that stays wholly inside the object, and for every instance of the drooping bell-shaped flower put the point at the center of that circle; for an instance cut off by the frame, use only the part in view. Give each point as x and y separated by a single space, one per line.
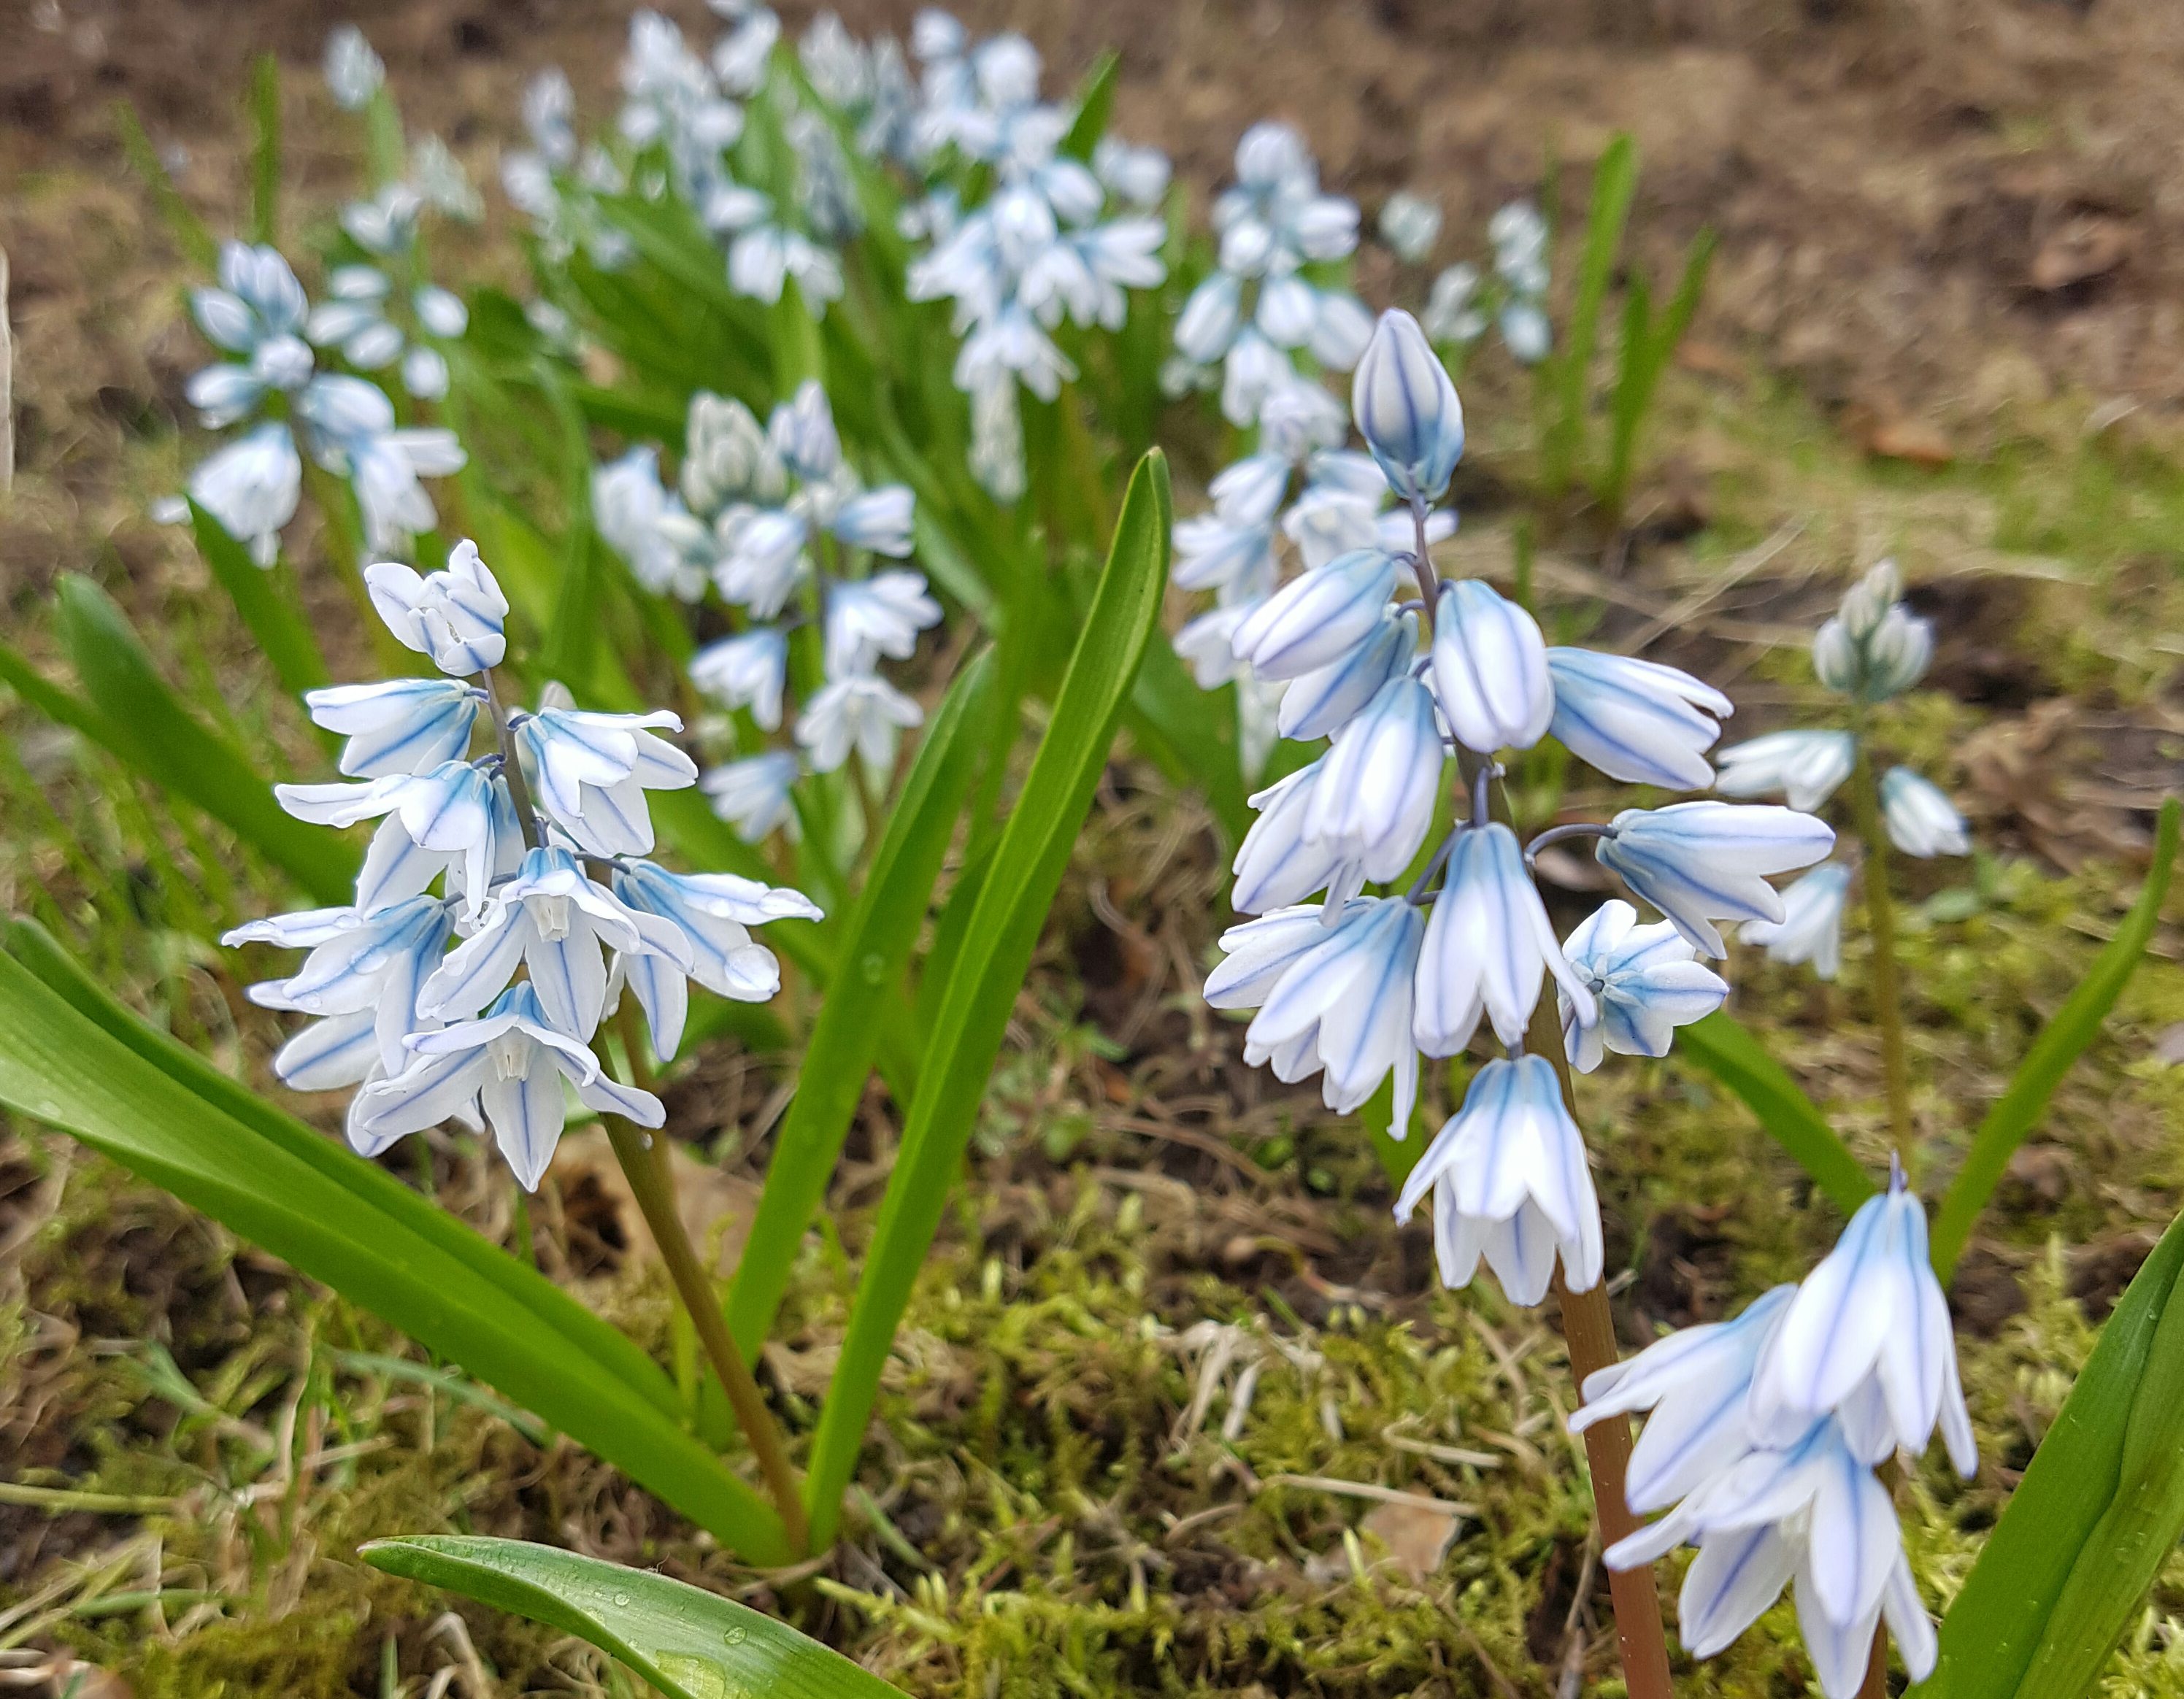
251 486
714 913
510 1065
880 616
1374 797
1488 947
1805 767
1318 618
456 617
589 771
1410 224
754 794
1811 926
1699 862
1645 980
365 963
452 818
398 725
1406 408
862 712
1510 1182
1634 720
1319 703
1277 865
1335 998
1921 819
1490 669
748 669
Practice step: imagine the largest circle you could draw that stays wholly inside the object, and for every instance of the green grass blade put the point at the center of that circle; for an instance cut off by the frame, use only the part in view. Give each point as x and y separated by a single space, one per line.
974 1011
265 150
1644 356
2061 1042
334 1216
62 706
876 942
1096 105
687 1643
2091 1519
1613 181
1728 1051
183 224
280 627
171 748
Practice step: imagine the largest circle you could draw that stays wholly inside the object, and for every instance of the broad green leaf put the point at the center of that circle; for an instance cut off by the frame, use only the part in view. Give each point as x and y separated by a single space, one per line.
265 150
171 748
2061 1042
1093 107
973 1013
874 947
687 1643
71 1057
280 627
1613 181
1729 1052
2091 1520
182 223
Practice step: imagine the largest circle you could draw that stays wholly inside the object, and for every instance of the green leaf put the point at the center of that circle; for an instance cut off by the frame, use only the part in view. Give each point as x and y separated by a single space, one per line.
2060 1044
687 1643
182 223
875 946
973 1011
265 150
1095 106
150 728
1190 734
280 629
2092 1519
72 1057
1648 346
1729 1052
1613 181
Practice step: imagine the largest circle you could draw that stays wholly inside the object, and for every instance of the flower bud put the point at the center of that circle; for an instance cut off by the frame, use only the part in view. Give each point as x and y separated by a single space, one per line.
1408 409
1490 669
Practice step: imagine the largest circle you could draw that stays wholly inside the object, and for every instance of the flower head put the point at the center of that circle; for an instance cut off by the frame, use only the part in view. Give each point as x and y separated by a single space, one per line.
1698 862
1921 819
1488 947
456 617
1636 720
1645 982
1490 669
1406 408
1806 767
1811 926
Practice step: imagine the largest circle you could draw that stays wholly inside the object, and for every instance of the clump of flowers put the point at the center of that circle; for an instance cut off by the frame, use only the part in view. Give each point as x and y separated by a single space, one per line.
506 902
1511 295
1427 928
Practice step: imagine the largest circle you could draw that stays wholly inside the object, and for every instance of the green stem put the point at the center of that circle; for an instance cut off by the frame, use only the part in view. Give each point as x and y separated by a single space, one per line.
1880 919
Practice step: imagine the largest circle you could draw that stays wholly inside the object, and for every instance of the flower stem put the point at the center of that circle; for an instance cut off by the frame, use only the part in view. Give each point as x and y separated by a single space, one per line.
645 1163
511 769
1880 919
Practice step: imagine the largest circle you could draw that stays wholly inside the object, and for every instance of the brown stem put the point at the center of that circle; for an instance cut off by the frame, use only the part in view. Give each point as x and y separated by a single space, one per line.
1881 918
646 1164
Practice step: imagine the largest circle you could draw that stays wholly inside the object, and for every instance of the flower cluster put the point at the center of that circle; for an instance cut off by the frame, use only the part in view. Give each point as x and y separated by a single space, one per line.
1873 648
773 520
1765 1436
1513 296
478 1002
1404 671
1270 299
270 377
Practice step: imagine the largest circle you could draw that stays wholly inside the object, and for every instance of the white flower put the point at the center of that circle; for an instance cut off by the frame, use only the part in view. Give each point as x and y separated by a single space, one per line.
252 486
1321 701
1410 224
511 1065
1451 314
1208 645
1276 864
1488 946
1805 767
362 963
1698 862
589 771
452 818
1490 669
879 521
1646 982
1920 818
713 912
1510 1182
1318 618
1138 175
456 617
1635 720
554 920
746 670
753 794
400 725
870 617
1875 647
1335 997
1811 926
354 72
862 711
1374 797
1406 410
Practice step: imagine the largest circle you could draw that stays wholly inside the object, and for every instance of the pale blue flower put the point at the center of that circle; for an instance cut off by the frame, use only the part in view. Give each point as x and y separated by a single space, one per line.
354 72
867 618
1510 1182
1490 669
1278 864
1636 720
1646 983
748 669
628 504
860 712
1803 767
456 616
1921 820
1406 410
369 963
1317 704
454 818
1316 619
1410 224
1811 926
252 486
1488 947
713 912
1875 647
1137 175
399 725
1452 314
509 1066
878 519
588 772
1698 862
754 794
1373 800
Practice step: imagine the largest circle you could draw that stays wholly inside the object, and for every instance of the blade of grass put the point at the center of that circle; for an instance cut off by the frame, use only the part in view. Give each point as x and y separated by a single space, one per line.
2061 1042
1645 357
876 942
1613 181
1729 1052
280 627
265 150
1095 104
183 224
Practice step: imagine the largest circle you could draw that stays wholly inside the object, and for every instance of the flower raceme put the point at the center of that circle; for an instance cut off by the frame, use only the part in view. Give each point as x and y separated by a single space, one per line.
543 892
